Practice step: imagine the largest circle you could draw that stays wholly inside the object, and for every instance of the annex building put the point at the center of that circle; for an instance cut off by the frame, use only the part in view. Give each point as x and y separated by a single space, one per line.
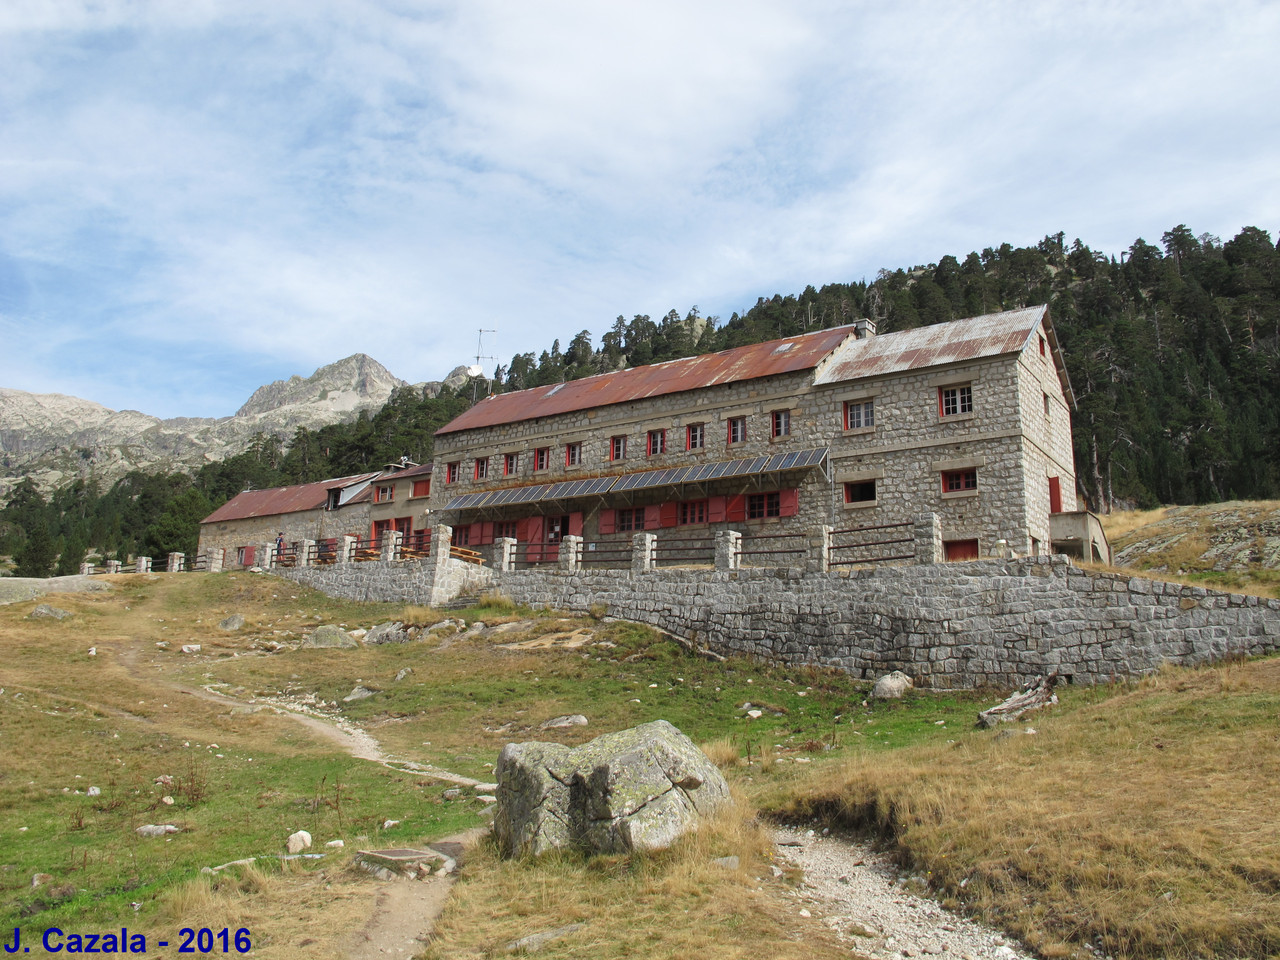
840 428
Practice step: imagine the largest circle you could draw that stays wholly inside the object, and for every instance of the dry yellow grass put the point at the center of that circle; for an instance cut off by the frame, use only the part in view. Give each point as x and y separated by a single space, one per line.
677 904
1144 819
1122 522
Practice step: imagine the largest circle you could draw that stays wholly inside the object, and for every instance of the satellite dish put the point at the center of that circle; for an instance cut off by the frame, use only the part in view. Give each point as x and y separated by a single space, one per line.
475 370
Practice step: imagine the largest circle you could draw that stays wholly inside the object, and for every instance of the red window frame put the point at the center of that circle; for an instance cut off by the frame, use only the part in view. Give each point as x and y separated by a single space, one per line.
573 454
695 436
737 430
452 471
866 410
541 459
628 519
384 493
693 511
504 528
960 481
482 468
955 401
656 443
763 505
510 463
781 423
618 448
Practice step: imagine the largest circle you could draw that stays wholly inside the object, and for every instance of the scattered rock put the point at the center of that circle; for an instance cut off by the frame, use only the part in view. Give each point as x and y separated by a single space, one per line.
403 672
535 942
164 780
167 801
485 787
891 686
191 648
45 612
231 623
728 863
156 829
298 842
636 789
453 793
572 720
388 633
40 879
388 824
162 644
93 651
93 792
330 636
446 624
359 693
336 844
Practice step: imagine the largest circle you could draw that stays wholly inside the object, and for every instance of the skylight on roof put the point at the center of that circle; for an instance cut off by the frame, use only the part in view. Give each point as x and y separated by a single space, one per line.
783 347
552 392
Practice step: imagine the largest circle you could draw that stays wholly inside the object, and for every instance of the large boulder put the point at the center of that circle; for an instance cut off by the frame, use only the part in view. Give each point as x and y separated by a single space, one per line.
46 612
330 636
387 633
891 686
637 789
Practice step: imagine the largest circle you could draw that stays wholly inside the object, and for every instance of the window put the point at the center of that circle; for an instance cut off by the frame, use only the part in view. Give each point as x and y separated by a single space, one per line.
696 436
617 448
451 471
573 454
738 430
334 501
541 458
628 520
1046 406
693 511
761 505
461 536
953 401
421 488
482 468
782 423
657 442
860 491
859 414
959 481
1042 346
504 528
510 464
384 493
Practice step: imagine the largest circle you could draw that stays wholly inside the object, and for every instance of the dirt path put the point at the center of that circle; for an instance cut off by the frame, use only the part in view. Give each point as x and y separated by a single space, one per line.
860 895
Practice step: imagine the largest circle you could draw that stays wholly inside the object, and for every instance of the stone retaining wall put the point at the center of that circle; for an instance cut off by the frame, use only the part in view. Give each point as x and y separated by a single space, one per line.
958 625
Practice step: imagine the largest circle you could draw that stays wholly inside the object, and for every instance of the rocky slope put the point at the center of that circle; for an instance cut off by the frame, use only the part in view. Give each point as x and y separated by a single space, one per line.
55 438
1222 537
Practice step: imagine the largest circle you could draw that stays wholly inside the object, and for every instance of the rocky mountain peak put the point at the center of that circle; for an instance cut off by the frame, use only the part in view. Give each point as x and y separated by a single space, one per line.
342 386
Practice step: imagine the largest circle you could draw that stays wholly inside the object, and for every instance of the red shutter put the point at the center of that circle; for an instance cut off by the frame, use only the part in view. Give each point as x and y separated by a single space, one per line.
486 533
736 509
608 522
788 502
1055 495
669 514
248 555
524 528
575 524
652 516
716 507
476 534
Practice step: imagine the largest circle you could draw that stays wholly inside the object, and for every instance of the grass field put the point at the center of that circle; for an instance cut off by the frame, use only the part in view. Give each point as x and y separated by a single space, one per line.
1139 816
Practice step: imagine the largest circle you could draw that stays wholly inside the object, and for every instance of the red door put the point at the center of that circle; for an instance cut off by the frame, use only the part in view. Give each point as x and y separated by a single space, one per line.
1055 495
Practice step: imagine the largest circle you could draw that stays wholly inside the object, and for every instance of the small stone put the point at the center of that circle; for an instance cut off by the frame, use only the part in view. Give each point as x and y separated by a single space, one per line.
755 714
891 686
359 693
485 788
93 792
571 720
335 844
403 672
156 829
727 863
777 871
231 623
535 942
388 824
167 801
453 793
40 879
93 651
191 648
805 913
46 612
298 842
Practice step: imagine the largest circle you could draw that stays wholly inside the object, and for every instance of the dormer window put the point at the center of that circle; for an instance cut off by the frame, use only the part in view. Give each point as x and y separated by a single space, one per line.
384 493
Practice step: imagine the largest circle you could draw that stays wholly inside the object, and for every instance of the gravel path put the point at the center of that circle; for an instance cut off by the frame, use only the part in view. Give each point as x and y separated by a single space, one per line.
860 895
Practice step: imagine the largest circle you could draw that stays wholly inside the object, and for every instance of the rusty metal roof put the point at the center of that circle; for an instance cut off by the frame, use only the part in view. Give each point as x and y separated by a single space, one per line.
636 383
941 343
418 471
280 500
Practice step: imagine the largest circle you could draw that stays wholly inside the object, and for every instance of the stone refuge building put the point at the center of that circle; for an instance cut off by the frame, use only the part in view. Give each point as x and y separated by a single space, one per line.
839 428
364 506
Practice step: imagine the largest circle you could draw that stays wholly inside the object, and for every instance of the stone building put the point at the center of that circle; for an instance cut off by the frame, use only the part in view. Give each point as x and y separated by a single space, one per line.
363 506
838 429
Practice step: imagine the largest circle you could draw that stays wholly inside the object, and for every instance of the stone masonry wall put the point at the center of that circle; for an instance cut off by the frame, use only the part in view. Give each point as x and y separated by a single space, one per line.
958 625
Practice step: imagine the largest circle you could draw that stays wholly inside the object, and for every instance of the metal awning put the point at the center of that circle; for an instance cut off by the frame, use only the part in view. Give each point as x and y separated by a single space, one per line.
645 479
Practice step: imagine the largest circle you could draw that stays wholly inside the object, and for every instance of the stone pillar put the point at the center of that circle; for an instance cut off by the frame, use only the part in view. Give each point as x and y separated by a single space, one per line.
347 550
505 554
142 565
928 535
570 554
306 553
728 549
644 552
175 563
820 550
217 557
265 556
113 566
86 569
390 545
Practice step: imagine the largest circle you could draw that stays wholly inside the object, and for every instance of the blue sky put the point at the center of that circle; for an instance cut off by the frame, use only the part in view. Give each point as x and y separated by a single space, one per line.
199 197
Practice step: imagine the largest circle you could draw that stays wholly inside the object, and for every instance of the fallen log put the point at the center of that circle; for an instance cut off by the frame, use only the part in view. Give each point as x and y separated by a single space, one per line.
1035 694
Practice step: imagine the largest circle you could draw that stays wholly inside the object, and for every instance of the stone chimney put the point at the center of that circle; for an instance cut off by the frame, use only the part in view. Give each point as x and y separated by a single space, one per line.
864 328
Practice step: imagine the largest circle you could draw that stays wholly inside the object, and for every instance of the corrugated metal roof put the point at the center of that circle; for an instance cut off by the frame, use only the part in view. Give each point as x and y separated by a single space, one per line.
954 342
636 383
411 472
279 500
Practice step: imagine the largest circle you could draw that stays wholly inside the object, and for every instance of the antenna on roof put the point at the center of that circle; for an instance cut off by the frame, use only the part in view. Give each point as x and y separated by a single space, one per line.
477 372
